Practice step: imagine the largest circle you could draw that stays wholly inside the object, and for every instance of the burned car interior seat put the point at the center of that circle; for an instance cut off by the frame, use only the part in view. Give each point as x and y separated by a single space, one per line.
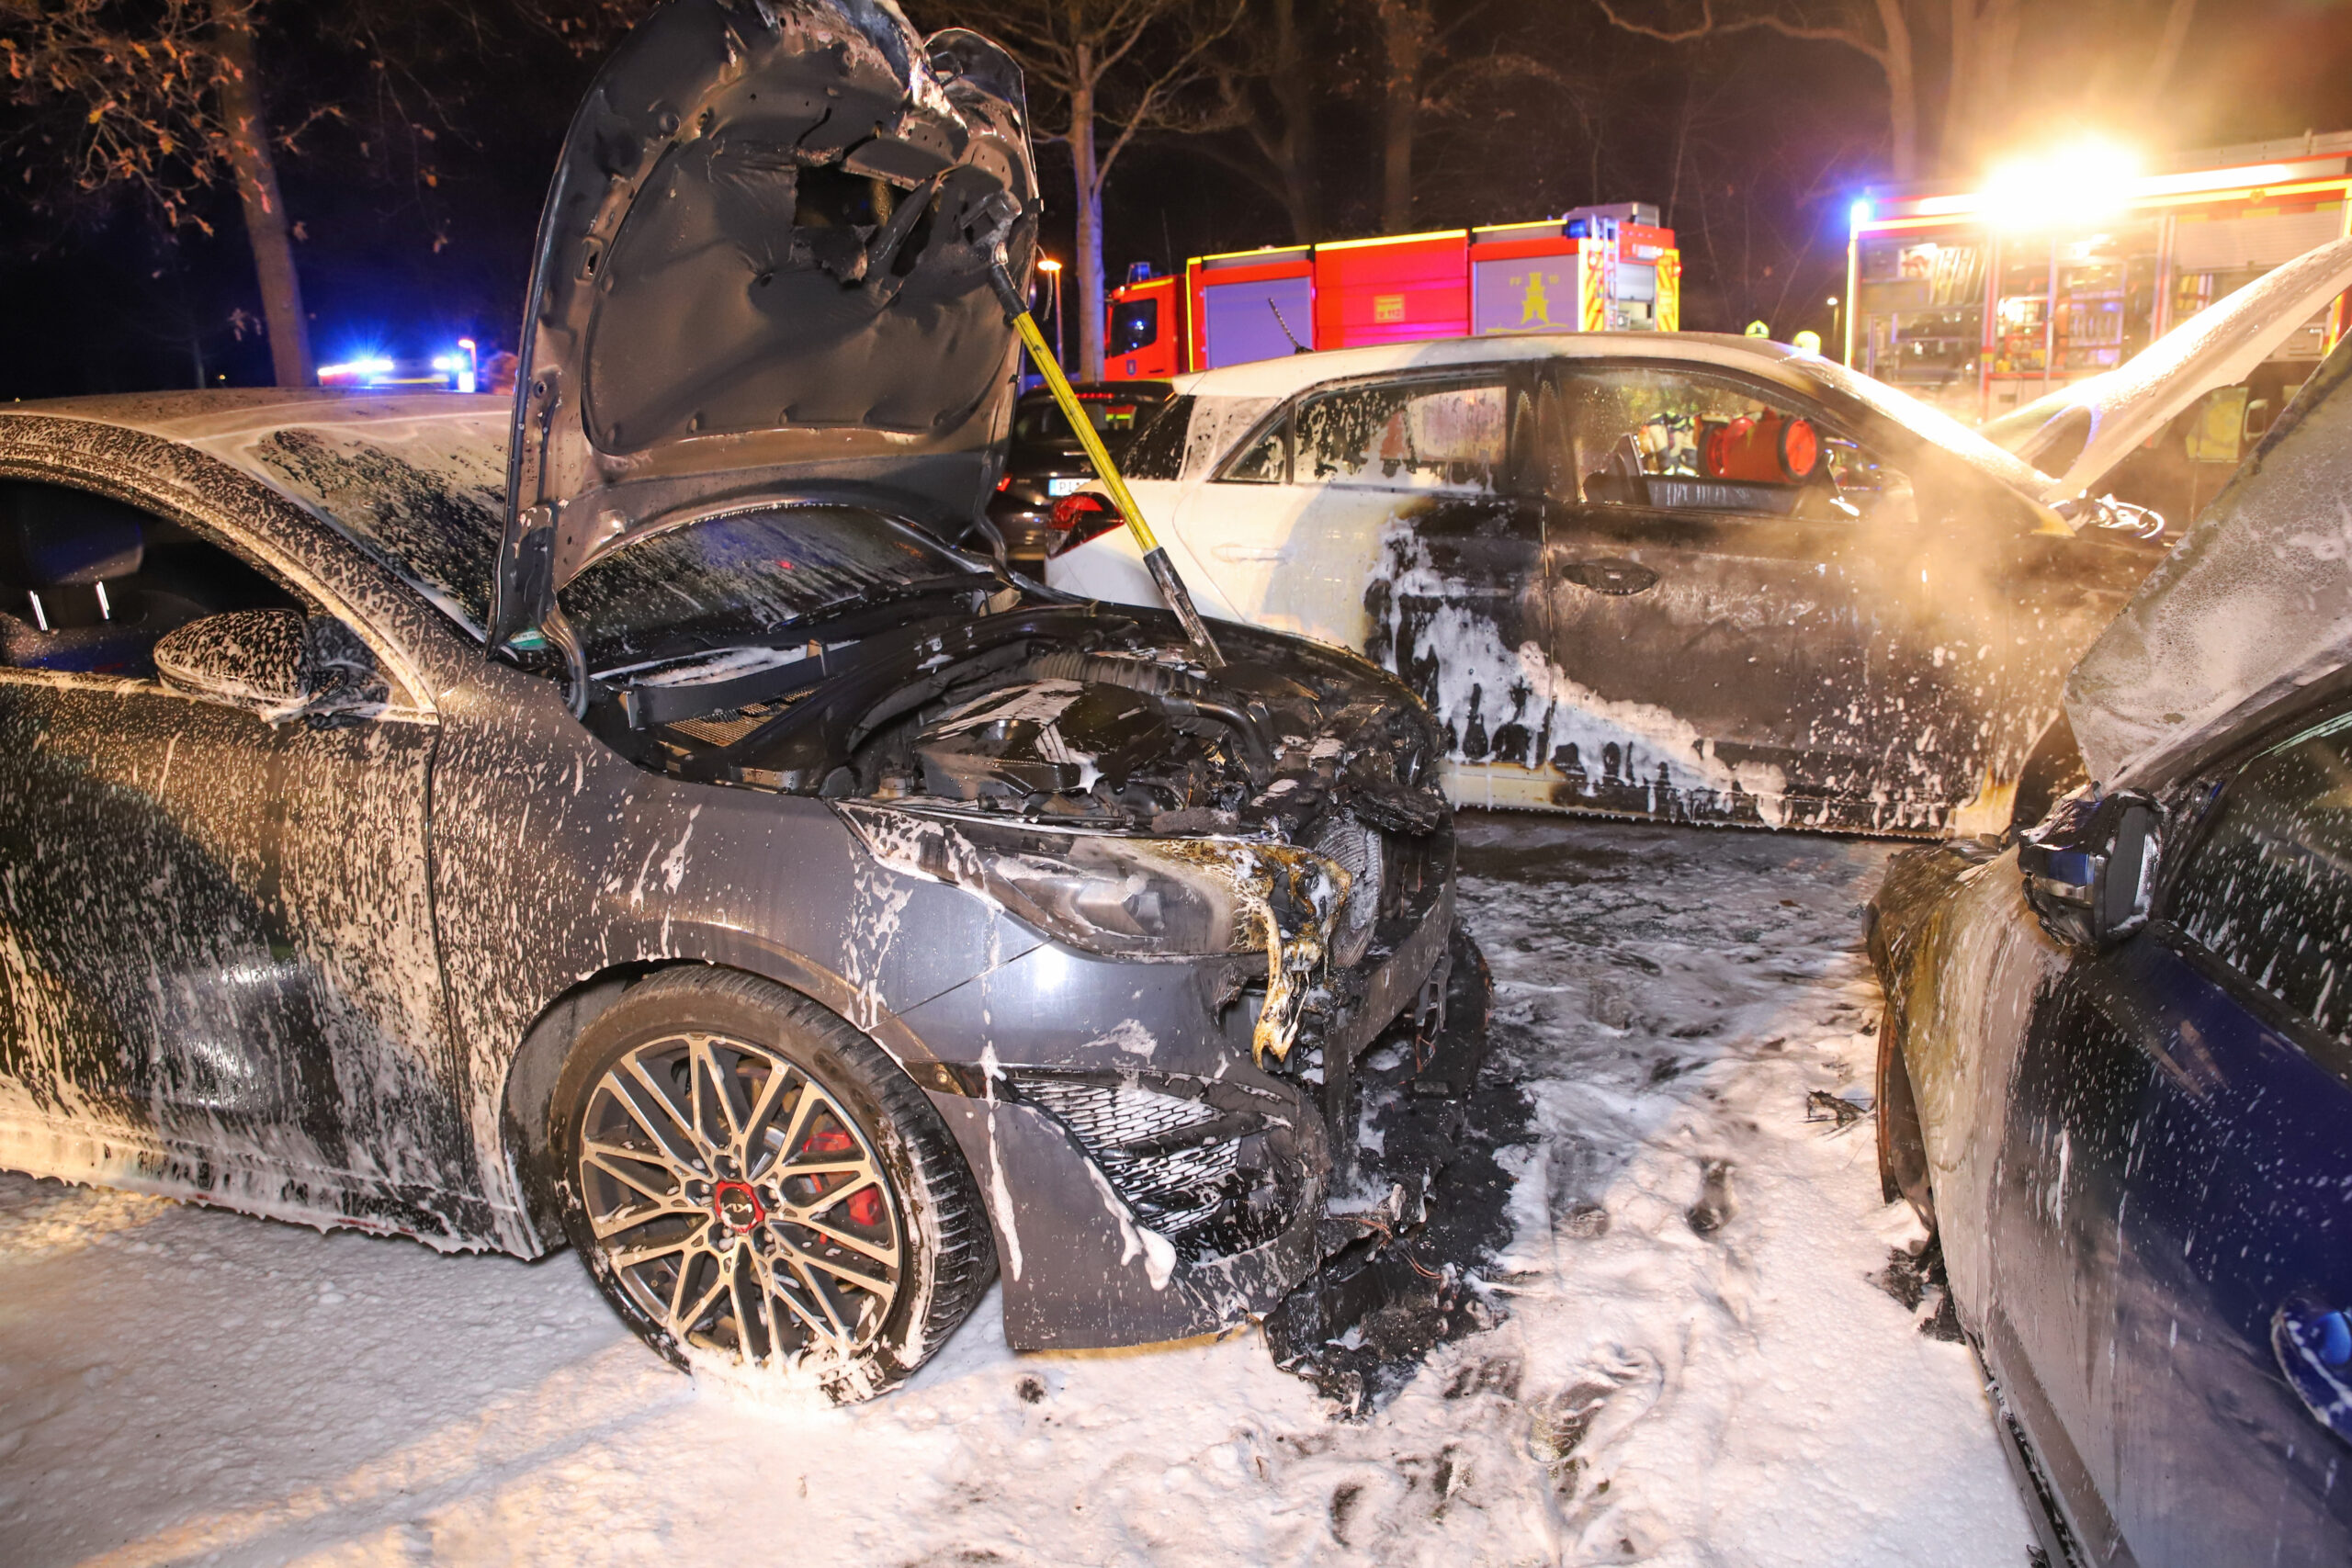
88 583
1670 439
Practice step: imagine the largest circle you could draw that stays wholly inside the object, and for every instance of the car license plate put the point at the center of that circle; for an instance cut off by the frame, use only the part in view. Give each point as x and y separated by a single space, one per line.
1064 487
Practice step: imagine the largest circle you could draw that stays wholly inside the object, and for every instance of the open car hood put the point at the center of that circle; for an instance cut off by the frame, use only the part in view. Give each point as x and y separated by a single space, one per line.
2081 432
762 272
2252 605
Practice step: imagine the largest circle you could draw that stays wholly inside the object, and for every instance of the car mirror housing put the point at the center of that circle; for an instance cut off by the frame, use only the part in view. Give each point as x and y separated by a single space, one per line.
2089 867
275 663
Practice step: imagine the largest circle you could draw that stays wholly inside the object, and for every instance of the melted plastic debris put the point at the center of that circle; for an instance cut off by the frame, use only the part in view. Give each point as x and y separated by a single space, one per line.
1654 1396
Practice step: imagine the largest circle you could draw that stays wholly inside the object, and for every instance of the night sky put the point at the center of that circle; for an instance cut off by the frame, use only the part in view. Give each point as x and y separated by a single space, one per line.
1753 144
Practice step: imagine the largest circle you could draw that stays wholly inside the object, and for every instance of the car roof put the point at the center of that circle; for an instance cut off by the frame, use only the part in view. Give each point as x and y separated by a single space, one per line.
1277 377
468 429
1797 370
203 418
2246 617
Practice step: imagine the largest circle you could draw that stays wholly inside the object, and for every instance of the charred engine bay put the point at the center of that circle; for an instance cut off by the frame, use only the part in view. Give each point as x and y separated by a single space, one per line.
1058 714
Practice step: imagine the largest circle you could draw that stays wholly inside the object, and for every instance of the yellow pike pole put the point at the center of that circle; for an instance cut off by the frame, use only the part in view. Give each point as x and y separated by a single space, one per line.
1155 558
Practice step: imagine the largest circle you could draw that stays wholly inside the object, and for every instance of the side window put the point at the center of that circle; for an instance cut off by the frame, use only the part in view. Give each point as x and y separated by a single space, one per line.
1157 450
2267 888
1439 436
88 583
1681 440
1135 325
1264 461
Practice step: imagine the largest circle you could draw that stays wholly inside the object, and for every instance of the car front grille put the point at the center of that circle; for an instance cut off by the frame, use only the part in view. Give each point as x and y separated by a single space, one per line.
1179 1164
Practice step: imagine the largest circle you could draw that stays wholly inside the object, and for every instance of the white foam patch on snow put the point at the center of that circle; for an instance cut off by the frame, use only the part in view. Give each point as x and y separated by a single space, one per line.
176 1384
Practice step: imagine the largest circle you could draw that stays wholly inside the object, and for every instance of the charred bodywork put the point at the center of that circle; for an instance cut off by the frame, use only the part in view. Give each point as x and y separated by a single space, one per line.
1705 578
447 733
1128 928
2114 1067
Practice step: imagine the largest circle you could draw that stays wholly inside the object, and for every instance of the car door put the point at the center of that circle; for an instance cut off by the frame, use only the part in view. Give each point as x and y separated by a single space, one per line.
1724 571
2167 1220
1376 514
215 930
2233 1244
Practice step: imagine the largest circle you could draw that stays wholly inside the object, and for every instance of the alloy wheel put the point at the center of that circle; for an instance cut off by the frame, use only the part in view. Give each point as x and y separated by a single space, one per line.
737 1202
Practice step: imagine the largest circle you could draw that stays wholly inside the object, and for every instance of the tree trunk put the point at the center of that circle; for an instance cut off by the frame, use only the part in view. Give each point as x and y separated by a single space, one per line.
1960 89
1087 176
1996 60
1296 143
1404 27
1984 47
1902 91
2175 38
256 170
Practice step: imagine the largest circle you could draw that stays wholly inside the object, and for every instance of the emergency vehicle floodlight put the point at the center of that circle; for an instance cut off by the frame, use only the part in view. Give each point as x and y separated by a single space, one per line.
2074 185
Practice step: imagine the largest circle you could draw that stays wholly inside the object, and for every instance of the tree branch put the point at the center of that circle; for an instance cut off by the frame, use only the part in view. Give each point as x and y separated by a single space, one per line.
1853 37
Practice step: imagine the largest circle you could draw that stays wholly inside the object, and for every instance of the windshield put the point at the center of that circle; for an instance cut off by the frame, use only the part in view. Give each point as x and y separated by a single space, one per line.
1042 424
740 579
1929 425
423 497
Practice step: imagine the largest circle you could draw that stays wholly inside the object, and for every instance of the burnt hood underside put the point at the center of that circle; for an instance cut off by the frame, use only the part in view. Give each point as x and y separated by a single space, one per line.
760 270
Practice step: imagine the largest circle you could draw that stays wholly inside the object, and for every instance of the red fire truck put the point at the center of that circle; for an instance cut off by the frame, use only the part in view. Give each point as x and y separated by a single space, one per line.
1593 269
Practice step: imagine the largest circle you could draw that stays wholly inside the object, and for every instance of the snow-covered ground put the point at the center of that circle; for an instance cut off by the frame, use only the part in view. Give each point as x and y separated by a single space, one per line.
180 1385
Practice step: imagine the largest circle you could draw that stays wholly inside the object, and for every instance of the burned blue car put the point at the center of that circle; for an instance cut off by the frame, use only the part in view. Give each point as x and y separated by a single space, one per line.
2115 1067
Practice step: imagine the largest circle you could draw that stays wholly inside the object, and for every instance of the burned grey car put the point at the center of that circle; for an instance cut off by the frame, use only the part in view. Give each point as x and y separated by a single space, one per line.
617 818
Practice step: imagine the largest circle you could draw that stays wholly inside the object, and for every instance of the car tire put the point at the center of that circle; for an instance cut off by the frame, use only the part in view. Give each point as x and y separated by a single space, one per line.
1902 1150
760 1191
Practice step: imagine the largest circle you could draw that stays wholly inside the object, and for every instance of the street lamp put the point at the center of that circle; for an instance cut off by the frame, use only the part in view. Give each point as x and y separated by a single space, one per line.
1835 318
1053 271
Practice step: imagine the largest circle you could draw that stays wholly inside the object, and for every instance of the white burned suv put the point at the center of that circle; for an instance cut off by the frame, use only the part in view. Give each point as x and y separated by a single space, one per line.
1712 579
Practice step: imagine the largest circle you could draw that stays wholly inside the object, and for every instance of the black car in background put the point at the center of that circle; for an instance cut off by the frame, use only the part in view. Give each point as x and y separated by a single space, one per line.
1046 463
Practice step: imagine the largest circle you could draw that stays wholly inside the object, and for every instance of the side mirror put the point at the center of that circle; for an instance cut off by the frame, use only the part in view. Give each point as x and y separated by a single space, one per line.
275 663
2090 866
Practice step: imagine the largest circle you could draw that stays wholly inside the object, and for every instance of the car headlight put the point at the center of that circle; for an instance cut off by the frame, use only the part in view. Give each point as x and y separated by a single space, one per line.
1141 899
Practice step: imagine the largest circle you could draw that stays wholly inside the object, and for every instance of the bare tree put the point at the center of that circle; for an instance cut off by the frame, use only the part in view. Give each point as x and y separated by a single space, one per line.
1267 88
1111 70
168 100
1984 56
1408 36
1879 30
2170 44
1975 41
243 138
